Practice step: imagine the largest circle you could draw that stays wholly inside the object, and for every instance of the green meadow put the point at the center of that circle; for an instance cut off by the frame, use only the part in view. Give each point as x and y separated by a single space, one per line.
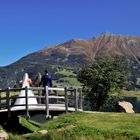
86 126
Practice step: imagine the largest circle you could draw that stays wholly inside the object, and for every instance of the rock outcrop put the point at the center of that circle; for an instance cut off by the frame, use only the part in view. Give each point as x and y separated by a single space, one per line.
3 135
43 132
124 106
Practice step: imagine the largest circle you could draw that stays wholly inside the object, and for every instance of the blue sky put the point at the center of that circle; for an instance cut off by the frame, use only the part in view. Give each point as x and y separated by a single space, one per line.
30 25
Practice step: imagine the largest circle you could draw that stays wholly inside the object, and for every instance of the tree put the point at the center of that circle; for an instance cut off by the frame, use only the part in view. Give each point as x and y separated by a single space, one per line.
37 79
102 78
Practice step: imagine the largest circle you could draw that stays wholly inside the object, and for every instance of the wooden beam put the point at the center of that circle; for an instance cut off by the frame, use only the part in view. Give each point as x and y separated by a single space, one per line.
8 102
76 100
47 102
58 89
66 100
80 98
26 101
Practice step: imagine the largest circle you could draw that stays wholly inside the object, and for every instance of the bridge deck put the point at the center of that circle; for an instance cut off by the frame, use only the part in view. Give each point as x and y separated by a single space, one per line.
52 107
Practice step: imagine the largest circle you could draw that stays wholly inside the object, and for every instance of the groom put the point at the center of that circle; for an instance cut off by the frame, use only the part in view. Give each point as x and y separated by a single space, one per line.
46 80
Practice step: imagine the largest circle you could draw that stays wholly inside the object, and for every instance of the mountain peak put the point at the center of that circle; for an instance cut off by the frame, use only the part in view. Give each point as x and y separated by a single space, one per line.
107 43
108 34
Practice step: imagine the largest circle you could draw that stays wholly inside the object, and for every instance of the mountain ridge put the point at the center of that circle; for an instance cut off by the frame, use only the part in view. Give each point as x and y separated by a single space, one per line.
110 43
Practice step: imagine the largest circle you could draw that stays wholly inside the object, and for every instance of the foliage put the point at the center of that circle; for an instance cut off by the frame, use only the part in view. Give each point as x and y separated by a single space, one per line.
138 81
102 78
110 104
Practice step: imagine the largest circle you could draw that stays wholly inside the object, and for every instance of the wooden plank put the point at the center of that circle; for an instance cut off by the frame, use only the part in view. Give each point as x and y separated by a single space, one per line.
56 88
36 88
57 97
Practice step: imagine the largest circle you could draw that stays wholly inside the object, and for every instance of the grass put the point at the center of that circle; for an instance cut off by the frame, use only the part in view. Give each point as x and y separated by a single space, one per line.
126 93
106 125
70 81
66 73
91 126
32 126
87 126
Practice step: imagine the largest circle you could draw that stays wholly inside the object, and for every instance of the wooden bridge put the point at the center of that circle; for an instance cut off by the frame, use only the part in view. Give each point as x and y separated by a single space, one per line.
62 100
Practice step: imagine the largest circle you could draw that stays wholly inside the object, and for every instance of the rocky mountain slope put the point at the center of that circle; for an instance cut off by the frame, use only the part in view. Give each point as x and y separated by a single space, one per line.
71 54
105 44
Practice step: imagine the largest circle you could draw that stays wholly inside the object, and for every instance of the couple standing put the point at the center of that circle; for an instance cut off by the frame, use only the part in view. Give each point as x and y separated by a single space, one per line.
46 80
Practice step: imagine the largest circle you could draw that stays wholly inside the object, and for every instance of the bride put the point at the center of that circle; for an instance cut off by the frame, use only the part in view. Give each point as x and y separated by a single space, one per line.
25 83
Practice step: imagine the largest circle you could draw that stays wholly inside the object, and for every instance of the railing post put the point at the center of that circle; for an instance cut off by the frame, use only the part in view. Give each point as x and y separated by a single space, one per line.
71 91
0 100
66 100
26 101
76 101
81 98
47 102
39 94
56 93
8 102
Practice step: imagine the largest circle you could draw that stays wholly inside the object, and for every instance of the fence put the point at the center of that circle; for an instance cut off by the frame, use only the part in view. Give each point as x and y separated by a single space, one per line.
8 96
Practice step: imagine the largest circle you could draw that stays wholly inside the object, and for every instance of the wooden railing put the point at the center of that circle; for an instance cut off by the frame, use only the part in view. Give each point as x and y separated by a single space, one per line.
7 99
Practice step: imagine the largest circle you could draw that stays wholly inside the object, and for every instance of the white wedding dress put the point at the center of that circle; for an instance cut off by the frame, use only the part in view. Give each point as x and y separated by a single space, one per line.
21 101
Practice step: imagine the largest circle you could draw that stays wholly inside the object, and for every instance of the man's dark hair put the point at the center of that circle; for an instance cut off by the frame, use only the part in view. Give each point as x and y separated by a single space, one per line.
46 71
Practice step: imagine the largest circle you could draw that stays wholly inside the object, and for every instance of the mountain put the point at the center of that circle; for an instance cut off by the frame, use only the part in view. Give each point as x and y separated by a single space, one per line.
105 44
72 54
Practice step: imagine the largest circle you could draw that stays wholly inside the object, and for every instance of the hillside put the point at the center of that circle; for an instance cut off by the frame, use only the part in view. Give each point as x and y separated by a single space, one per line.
71 54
